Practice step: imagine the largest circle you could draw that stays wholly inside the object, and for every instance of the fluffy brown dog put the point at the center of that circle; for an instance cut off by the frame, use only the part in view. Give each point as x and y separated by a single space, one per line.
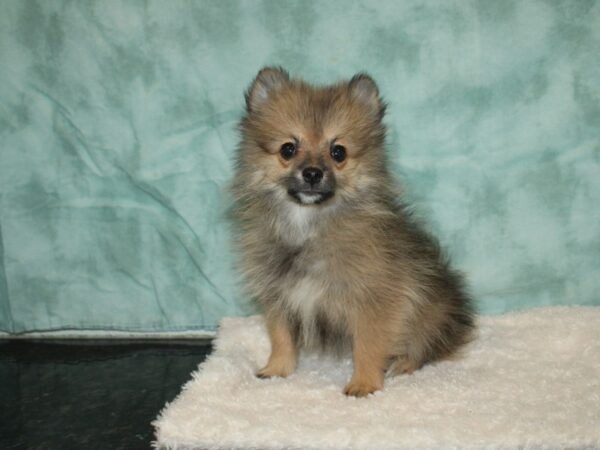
331 255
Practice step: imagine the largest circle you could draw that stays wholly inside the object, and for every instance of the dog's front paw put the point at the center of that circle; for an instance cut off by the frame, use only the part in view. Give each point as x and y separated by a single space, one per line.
360 388
270 371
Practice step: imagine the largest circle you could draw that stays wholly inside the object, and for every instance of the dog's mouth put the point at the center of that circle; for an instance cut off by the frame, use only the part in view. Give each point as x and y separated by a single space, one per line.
309 196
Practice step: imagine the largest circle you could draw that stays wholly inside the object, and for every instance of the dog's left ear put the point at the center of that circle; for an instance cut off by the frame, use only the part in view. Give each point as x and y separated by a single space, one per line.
364 89
268 80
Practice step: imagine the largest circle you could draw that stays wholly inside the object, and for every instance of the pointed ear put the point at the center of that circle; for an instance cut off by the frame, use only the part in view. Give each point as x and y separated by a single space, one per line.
268 80
364 89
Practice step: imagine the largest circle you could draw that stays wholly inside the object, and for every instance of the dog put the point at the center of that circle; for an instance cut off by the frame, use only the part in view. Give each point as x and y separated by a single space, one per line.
328 248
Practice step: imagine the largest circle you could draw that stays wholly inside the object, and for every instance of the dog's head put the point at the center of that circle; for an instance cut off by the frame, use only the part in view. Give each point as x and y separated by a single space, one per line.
311 145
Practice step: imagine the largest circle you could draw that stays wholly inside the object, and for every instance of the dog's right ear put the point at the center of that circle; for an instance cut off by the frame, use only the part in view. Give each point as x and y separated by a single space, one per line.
268 80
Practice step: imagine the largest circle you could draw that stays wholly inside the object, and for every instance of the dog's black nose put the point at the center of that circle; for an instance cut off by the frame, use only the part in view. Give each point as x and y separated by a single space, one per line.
312 175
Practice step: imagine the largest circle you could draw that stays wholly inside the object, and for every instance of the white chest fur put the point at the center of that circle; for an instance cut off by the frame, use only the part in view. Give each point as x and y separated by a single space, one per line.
297 223
303 297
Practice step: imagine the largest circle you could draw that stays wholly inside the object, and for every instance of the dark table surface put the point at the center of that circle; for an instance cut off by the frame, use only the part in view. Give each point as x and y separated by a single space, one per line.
89 394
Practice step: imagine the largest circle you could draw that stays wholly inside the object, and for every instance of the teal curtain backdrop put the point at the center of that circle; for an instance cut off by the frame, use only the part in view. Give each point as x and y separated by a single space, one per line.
118 129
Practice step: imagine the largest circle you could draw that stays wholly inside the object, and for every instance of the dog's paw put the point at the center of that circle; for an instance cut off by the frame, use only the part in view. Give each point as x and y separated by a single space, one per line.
402 365
271 371
360 389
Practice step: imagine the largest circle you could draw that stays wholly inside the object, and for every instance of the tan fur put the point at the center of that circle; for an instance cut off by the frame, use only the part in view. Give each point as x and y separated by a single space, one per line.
353 271
282 360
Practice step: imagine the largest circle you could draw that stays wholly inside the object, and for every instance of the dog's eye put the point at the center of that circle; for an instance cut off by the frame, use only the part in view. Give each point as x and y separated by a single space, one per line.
287 150
338 153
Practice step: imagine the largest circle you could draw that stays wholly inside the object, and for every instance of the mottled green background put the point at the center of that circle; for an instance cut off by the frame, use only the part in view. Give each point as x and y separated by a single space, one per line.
118 126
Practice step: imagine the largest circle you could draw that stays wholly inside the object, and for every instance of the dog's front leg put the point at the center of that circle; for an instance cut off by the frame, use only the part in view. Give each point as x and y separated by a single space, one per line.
282 361
370 357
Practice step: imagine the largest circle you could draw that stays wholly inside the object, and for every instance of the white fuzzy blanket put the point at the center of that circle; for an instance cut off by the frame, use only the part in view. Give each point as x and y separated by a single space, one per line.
530 380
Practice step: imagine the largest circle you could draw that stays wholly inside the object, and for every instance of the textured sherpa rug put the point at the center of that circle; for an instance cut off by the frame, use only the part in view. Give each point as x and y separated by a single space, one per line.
529 380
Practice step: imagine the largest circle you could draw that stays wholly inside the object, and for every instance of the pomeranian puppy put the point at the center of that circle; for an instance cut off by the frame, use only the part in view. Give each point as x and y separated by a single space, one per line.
328 250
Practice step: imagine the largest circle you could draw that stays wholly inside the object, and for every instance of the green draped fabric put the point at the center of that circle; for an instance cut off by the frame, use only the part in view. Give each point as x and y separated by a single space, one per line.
118 129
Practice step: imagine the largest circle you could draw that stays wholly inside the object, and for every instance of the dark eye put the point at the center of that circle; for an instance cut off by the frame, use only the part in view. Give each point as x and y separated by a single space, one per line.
338 153
288 150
